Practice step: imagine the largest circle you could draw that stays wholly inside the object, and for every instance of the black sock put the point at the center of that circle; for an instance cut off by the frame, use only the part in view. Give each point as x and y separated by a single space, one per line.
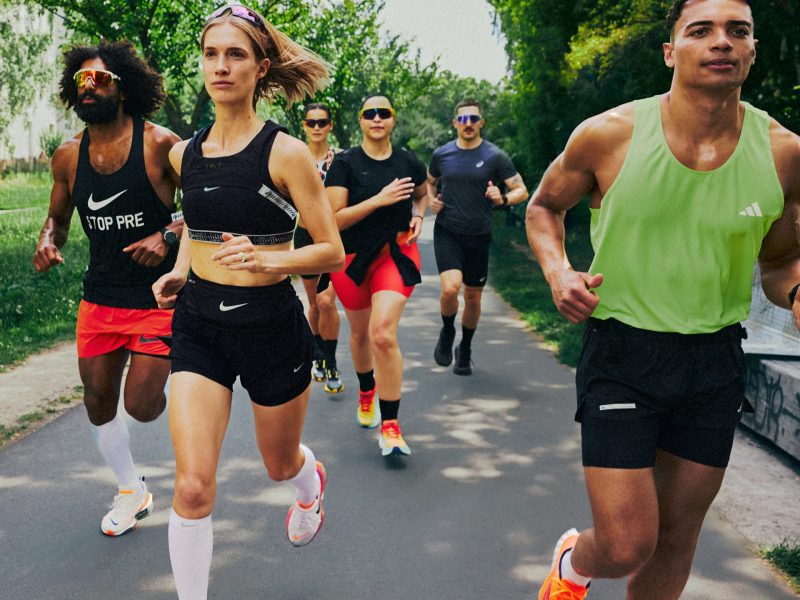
366 381
318 354
329 350
449 323
466 336
389 409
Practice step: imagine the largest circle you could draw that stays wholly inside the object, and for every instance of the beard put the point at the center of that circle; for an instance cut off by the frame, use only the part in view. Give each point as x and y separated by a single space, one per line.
104 110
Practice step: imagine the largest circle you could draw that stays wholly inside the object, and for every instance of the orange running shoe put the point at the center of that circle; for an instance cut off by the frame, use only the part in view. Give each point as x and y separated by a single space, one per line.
391 439
554 587
369 413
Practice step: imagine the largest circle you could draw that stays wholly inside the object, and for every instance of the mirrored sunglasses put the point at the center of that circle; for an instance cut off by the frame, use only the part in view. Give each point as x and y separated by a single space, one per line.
99 77
238 10
371 113
464 119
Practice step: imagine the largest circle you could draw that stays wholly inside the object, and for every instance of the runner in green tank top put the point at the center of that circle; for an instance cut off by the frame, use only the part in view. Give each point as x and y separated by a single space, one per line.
687 191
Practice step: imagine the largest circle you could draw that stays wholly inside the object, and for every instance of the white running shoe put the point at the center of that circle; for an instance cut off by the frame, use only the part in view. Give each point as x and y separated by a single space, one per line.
130 506
303 523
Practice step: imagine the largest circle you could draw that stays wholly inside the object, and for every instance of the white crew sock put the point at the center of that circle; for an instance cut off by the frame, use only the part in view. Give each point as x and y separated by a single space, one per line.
191 543
113 442
306 481
568 571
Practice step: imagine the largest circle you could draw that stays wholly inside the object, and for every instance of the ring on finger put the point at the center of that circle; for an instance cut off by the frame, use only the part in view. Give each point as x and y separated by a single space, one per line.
244 256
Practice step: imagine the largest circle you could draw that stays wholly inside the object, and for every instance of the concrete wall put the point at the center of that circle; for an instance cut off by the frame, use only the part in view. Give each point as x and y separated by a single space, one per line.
773 386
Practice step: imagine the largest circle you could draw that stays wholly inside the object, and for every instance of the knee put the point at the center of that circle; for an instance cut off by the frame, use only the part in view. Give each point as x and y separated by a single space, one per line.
450 291
383 340
627 554
359 338
101 408
281 469
326 303
472 297
194 493
146 410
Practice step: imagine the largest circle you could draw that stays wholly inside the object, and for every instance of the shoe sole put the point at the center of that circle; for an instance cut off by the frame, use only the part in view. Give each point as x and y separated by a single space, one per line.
319 379
145 512
335 390
392 451
461 370
323 484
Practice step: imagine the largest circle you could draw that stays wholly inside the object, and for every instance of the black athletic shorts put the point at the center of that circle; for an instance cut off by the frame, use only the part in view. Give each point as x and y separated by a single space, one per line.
302 239
466 253
257 333
640 390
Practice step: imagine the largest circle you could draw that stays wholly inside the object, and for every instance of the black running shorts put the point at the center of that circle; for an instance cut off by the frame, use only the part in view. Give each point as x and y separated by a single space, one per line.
466 253
256 333
640 390
302 239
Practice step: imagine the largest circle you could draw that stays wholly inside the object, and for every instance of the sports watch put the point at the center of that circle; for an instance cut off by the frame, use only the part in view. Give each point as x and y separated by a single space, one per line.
170 237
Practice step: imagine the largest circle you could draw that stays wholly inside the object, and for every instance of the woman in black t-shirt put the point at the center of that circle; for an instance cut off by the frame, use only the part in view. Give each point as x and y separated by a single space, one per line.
322 313
378 194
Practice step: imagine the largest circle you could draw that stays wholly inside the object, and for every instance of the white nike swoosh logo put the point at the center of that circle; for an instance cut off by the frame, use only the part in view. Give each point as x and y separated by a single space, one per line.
224 308
298 368
207 189
98 205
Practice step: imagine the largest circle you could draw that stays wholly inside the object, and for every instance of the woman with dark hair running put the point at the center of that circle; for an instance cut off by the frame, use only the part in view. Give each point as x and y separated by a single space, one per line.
244 182
378 193
322 314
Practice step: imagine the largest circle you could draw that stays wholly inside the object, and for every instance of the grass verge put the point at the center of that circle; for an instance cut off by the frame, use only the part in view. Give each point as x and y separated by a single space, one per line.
786 557
30 422
36 309
516 276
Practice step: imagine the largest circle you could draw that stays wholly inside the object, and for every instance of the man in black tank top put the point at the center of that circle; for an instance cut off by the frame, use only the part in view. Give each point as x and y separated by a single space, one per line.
117 174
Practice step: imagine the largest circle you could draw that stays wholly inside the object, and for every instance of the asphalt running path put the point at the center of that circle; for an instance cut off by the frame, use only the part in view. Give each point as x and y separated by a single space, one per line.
493 481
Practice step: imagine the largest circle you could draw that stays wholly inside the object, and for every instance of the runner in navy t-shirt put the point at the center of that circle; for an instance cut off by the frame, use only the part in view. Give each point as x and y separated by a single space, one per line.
470 171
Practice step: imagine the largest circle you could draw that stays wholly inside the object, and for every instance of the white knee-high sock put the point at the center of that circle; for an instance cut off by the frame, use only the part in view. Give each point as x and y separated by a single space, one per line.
191 543
113 442
306 481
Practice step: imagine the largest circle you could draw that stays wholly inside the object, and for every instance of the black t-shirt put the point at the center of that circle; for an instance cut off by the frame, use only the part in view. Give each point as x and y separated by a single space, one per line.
464 176
365 177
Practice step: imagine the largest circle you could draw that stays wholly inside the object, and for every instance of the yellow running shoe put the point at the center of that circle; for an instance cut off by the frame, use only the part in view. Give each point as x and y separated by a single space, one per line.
391 439
369 412
554 587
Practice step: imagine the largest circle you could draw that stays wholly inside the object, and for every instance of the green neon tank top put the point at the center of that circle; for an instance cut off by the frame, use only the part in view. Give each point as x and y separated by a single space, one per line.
677 246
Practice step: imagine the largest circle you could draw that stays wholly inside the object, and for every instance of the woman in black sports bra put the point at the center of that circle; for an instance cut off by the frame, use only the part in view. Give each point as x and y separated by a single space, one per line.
244 182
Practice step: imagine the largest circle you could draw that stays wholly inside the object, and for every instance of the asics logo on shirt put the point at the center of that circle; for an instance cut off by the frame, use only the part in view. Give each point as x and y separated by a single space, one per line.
754 210
224 308
211 189
480 164
98 205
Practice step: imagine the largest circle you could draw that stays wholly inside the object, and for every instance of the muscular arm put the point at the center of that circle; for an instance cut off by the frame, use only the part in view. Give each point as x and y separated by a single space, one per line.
570 177
517 191
55 230
779 258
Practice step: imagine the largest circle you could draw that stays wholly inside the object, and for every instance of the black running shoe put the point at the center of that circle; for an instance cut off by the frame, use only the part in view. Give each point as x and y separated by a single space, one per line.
443 353
463 364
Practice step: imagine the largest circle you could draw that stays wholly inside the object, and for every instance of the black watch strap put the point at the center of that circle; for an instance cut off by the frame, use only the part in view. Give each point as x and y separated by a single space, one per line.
793 294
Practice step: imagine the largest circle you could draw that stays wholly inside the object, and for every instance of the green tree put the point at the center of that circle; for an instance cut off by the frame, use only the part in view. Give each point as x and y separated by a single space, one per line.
21 51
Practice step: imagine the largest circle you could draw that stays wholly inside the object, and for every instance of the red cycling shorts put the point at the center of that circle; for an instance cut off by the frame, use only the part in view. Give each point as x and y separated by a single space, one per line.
381 276
102 329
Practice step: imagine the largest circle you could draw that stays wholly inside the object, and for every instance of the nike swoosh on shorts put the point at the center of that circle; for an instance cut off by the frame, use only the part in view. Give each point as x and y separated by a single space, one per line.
211 189
98 205
224 308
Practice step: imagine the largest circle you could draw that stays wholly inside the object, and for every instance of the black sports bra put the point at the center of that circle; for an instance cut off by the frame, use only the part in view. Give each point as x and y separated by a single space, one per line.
235 194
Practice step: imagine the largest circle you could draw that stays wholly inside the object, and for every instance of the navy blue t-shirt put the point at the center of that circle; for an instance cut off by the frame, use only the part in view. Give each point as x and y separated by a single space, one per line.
365 177
464 176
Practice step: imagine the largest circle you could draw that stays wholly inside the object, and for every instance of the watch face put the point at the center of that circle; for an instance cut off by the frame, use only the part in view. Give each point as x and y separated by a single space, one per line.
170 237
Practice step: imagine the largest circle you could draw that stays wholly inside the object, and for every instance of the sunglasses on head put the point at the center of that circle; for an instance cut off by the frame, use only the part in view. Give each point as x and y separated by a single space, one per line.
99 77
237 10
312 123
371 113
464 119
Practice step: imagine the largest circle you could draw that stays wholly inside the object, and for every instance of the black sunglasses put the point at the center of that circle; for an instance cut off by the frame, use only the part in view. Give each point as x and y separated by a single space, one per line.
464 119
313 123
371 113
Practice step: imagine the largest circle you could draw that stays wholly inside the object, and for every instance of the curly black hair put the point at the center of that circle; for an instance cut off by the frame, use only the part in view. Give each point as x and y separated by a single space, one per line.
676 10
143 87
